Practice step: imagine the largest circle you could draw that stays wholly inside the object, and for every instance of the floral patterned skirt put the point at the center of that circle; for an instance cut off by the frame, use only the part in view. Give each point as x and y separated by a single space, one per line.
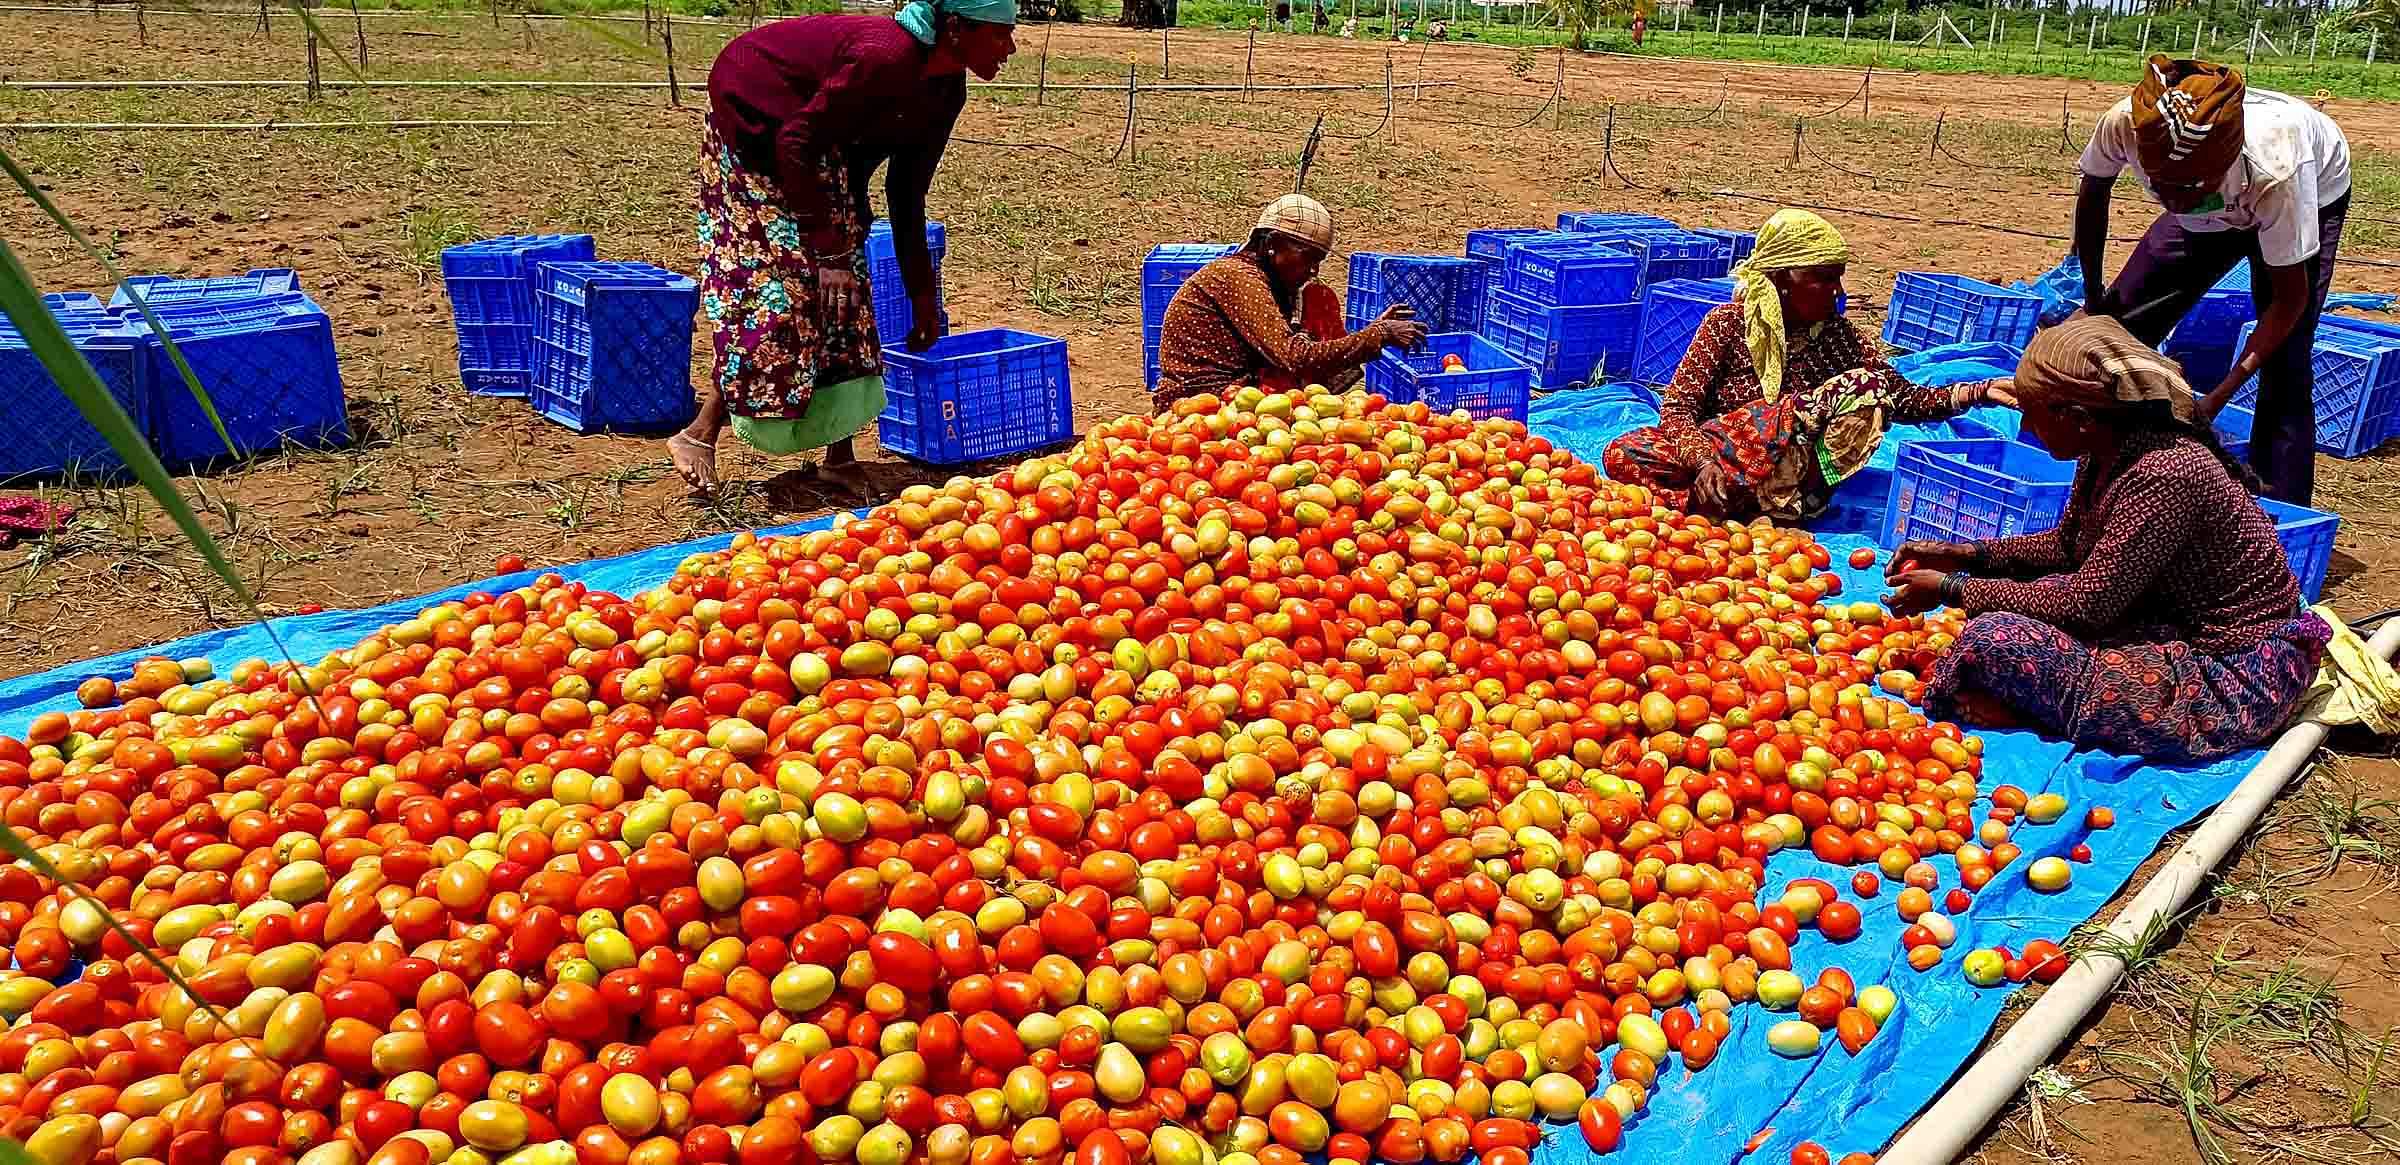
2165 701
777 345
1781 458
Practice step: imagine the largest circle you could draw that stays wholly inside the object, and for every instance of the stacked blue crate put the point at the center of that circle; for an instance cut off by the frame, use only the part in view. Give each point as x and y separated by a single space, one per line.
613 351
1593 222
51 436
894 314
1929 309
1671 314
1568 307
2357 392
1740 243
1457 370
1669 255
1163 274
1491 244
493 306
267 365
172 291
1445 291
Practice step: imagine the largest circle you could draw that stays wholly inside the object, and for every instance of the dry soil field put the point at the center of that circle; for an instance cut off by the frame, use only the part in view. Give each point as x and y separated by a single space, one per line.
2270 1030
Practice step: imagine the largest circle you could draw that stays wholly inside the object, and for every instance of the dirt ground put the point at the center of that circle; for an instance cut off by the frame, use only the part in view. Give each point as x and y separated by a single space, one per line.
2259 1036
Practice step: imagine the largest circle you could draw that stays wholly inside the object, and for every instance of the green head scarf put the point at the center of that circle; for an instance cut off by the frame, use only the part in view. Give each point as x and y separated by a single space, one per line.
917 16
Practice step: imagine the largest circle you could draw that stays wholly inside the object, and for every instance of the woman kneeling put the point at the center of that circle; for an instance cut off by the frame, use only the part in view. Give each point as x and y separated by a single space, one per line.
2159 618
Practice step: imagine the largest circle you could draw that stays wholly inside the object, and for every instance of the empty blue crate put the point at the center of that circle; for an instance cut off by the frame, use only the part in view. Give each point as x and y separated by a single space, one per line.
1739 243
614 348
51 437
1930 309
1488 383
1592 222
1446 291
2233 430
1492 243
172 291
1671 314
1962 491
1564 346
976 395
2357 388
492 303
267 365
1574 274
1679 255
1163 274
2307 538
2215 321
894 314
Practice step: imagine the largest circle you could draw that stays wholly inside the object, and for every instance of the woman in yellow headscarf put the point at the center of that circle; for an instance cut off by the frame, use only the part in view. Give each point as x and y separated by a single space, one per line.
1780 397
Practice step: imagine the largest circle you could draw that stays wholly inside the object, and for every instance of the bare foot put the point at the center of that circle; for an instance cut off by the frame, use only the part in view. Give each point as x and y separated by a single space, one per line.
695 461
850 477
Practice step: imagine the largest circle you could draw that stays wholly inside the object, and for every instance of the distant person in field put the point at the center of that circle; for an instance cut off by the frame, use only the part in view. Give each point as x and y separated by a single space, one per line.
2160 617
1640 25
1780 397
801 113
2242 174
1259 316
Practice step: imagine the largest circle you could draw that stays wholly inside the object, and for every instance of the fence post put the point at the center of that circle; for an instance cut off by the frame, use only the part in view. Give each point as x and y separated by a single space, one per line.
262 15
2041 24
2196 30
309 34
1558 90
1041 77
2091 40
1720 22
1798 126
141 25
1249 55
2372 34
1866 95
2145 53
666 36
1894 39
1935 146
2250 50
1166 56
359 24
1762 24
647 32
1804 24
2312 47
1847 15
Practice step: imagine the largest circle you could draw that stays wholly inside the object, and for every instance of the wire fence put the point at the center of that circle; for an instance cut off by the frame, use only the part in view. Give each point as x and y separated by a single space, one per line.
1673 136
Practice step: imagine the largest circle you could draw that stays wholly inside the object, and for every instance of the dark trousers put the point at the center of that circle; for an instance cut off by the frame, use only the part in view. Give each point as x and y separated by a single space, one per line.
2174 267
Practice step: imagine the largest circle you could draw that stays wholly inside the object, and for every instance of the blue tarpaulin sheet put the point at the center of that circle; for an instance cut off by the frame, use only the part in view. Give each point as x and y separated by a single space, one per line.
1845 1103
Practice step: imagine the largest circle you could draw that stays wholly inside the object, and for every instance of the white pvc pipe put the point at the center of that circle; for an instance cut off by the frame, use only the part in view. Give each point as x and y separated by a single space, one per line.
1941 1135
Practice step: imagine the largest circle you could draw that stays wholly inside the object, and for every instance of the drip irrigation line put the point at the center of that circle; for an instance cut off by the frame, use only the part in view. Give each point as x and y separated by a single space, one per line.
1854 94
131 126
1870 176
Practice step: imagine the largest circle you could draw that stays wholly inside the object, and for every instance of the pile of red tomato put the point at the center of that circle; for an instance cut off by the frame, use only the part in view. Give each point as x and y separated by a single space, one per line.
1291 775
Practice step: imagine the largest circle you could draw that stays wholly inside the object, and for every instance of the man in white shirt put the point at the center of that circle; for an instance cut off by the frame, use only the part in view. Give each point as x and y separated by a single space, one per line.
2242 174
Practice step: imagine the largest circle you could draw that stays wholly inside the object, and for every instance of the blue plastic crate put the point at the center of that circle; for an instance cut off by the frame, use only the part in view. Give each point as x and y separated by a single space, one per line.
1564 346
50 436
1604 222
894 315
1671 314
2203 366
614 349
976 395
1930 309
493 303
1963 491
1163 274
1491 384
1574 275
2307 538
171 291
63 304
268 366
1739 243
2213 323
1679 255
2357 391
1492 243
1446 291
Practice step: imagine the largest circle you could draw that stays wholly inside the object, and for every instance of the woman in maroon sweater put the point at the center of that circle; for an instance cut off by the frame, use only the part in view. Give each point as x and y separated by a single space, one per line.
801 113
2159 618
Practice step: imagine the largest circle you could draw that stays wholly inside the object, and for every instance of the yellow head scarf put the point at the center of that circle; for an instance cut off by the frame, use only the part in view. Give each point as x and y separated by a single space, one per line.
1790 238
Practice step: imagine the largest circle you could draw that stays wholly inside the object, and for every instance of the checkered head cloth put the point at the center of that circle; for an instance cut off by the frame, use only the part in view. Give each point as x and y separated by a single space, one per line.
1300 217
